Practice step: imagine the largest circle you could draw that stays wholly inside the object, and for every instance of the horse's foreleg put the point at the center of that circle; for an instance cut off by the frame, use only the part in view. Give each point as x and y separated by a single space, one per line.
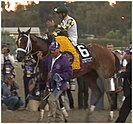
63 109
44 101
41 115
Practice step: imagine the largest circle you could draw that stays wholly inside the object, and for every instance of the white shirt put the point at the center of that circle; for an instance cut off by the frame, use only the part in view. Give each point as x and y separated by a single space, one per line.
53 61
11 58
124 63
2 58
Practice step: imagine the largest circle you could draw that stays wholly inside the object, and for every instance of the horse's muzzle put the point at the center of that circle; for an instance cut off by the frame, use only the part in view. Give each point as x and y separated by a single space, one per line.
20 59
20 56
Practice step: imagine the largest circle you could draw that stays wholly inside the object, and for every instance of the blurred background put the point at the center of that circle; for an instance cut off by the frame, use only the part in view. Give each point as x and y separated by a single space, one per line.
98 22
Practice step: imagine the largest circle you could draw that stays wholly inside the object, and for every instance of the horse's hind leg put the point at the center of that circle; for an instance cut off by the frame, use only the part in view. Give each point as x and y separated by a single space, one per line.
111 113
111 96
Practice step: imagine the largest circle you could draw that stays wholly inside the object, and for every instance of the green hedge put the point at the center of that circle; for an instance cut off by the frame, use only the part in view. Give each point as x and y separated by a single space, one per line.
104 41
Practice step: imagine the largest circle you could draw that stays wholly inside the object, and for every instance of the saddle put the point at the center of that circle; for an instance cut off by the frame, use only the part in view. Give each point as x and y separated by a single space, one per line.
76 55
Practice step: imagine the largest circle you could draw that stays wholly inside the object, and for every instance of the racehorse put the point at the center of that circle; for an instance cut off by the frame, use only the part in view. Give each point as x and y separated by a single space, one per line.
103 65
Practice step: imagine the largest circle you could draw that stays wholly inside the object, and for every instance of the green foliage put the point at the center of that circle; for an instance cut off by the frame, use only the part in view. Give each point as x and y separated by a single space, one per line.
114 35
104 42
9 41
97 18
126 38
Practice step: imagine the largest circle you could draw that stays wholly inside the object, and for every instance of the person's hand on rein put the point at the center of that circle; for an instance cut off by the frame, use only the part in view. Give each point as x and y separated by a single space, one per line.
50 23
119 89
40 55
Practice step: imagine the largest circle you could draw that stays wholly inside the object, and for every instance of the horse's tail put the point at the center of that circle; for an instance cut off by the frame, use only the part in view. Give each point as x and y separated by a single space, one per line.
117 63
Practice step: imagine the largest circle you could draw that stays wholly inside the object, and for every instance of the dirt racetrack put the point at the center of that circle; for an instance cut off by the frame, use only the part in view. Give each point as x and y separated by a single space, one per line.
75 115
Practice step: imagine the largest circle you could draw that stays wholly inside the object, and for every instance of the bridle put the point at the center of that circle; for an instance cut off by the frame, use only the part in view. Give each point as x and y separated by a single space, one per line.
28 47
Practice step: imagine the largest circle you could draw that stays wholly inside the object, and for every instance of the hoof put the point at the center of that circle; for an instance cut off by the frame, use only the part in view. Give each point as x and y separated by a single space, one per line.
110 118
90 112
39 120
66 121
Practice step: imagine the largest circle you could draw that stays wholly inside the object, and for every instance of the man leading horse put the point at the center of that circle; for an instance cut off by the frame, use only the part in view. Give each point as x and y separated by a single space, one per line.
59 72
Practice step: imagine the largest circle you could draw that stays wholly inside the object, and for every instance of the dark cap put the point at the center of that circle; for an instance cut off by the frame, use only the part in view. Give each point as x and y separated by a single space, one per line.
54 45
128 50
61 9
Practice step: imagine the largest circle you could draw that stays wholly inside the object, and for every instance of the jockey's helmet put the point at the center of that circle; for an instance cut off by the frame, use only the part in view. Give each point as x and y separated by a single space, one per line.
61 9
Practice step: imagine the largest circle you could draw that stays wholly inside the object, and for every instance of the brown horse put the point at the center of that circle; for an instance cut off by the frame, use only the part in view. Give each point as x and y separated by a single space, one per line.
103 66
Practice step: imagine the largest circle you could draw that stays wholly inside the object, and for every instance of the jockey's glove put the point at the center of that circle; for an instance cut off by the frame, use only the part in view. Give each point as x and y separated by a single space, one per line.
55 33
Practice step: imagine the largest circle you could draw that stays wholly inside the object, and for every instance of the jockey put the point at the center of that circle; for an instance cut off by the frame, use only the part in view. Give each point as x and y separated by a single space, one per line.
67 23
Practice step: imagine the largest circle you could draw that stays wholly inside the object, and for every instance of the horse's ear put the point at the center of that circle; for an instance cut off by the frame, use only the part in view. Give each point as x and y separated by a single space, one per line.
27 32
19 30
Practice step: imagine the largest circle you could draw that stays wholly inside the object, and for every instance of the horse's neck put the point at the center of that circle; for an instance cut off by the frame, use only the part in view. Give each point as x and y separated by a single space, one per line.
38 44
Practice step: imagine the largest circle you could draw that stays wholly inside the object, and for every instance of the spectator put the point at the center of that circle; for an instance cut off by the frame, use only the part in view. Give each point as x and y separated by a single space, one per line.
3 48
8 67
28 65
8 55
33 97
110 47
2 62
10 96
127 89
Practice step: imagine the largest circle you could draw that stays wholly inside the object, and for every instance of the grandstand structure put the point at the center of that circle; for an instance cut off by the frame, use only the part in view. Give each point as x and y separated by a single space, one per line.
14 30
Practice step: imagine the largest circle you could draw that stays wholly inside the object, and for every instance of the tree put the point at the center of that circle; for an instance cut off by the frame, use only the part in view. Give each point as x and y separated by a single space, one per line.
9 41
96 18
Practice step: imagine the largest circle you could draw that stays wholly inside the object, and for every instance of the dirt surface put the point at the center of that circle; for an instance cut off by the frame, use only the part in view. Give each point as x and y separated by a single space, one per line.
75 115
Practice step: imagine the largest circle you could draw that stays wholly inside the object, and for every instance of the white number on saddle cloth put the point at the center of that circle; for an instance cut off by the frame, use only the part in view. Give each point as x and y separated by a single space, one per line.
86 56
83 51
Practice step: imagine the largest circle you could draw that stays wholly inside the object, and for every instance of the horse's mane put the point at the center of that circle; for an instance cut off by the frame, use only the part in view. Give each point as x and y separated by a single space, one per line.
40 38
32 35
